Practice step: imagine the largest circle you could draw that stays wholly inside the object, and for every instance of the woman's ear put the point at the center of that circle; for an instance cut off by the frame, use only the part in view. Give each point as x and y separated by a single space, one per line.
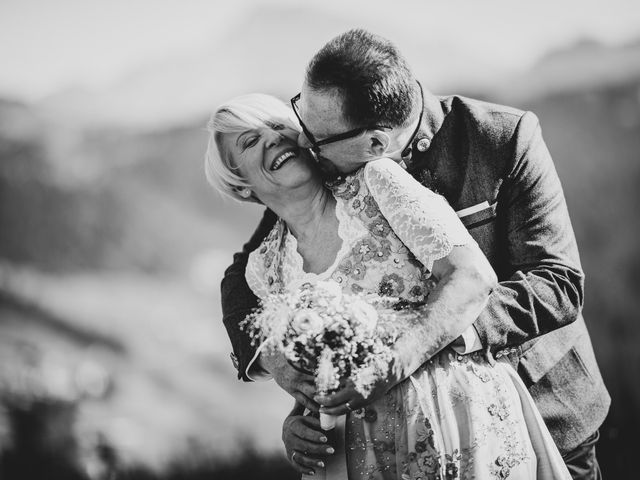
378 143
248 195
244 192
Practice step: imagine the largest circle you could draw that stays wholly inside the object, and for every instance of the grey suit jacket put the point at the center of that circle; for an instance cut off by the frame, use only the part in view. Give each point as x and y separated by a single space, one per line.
492 165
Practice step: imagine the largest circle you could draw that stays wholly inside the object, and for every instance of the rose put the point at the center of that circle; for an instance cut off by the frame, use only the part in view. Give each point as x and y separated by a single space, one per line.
307 322
364 314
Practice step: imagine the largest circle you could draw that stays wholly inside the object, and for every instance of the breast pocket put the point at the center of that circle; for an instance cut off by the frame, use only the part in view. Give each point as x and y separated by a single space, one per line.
477 215
480 221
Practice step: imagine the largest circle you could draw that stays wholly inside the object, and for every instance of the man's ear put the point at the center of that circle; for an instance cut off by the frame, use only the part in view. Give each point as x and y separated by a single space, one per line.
378 143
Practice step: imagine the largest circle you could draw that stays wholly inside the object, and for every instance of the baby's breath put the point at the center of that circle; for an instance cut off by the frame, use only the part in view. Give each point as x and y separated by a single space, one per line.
334 335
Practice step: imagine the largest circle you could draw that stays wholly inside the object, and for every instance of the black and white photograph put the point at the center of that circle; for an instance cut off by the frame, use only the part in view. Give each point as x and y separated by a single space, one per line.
336 240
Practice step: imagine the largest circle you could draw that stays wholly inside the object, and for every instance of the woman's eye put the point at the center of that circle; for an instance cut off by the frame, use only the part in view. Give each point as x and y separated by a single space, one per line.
250 142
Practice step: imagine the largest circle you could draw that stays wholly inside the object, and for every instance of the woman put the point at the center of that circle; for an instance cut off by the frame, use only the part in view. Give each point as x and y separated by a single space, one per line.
379 231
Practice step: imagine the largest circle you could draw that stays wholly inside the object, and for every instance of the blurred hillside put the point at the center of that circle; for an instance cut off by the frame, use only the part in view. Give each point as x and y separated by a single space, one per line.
112 247
267 50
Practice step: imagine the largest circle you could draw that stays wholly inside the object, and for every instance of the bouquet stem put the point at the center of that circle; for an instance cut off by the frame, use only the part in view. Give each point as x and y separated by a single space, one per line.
328 422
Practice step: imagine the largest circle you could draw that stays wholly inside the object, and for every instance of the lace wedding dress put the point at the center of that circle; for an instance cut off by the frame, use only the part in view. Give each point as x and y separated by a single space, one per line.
457 417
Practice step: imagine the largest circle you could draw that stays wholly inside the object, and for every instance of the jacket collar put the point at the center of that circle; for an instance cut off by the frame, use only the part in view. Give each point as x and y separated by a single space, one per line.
432 119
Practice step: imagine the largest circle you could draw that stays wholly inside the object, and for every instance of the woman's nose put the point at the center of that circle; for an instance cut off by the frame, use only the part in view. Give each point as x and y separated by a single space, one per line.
273 138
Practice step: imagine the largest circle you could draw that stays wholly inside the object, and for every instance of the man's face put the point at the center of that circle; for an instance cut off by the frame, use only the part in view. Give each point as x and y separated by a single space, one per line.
321 112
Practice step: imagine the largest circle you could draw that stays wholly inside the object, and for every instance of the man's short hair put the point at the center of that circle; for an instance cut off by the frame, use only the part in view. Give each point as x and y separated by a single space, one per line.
374 79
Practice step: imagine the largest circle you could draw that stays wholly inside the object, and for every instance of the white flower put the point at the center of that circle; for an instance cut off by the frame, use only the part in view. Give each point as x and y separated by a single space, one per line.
327 377
329 288
364 379
275 319
289 352
307 322
364 314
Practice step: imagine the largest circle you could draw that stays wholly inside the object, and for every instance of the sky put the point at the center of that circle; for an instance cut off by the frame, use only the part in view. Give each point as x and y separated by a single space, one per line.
48 46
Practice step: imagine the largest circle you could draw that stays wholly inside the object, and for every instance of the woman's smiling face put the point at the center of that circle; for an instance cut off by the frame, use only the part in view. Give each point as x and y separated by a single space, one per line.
269 159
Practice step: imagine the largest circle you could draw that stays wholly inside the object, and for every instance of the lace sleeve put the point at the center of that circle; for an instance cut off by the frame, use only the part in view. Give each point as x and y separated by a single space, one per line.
422 219
255 274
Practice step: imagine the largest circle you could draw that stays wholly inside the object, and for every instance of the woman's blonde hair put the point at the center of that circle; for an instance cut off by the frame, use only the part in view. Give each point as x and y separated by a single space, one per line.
255 110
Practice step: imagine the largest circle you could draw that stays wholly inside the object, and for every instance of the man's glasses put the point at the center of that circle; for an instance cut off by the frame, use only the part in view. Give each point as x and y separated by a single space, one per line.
316 144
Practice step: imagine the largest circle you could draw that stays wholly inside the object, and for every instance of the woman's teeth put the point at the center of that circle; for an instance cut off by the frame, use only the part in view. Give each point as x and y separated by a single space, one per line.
281 160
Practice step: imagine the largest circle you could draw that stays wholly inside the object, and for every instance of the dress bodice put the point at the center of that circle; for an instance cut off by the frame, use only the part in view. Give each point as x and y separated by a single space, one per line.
392 230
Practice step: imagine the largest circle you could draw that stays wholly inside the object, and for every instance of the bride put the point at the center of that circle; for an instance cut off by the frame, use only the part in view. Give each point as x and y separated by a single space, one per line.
378 230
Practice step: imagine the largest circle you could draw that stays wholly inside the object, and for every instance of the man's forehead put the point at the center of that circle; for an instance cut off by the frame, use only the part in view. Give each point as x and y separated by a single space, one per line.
321 111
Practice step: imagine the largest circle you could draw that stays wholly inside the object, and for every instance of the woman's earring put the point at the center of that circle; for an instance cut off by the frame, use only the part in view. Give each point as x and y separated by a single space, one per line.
244 192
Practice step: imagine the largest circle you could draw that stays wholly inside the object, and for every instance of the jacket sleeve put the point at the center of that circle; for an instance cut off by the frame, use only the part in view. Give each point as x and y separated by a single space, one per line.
238 300
543 288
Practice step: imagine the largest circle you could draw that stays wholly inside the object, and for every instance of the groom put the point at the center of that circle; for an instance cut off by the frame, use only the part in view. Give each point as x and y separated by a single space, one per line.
360 101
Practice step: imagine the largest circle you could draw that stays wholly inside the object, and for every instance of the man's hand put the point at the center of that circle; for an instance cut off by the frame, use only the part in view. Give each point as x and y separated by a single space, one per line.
296 383
305 442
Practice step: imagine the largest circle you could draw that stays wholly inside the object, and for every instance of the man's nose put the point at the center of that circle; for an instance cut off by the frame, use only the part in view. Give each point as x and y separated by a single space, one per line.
303 141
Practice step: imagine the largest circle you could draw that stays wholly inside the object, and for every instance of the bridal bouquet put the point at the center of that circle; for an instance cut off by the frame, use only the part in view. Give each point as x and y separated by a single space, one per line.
333 335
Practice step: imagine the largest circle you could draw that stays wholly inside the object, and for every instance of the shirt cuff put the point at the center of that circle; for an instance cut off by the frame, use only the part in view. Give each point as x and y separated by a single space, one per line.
255 371
468 342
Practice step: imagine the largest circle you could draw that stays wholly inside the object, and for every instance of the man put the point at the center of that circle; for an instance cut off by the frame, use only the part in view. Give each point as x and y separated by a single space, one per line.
360 101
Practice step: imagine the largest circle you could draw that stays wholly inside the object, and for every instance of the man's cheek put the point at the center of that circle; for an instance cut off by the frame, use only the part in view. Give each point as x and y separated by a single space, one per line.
327 168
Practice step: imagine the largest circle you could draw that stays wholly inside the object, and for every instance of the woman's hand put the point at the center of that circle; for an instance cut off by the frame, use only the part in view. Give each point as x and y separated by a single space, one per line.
347 399
305 442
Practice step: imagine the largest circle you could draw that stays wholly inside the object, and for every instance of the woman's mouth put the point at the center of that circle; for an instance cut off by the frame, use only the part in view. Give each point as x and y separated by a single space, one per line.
282 159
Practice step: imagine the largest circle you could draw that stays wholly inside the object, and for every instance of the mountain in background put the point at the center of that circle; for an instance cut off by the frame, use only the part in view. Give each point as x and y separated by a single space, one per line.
586 65
266 51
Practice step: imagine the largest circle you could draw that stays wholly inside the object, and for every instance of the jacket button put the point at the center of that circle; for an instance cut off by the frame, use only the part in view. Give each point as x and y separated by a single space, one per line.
423 144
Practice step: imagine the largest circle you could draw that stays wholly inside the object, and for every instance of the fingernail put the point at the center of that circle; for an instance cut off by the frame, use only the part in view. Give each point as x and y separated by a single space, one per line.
321 464
324 439
311 472
330 450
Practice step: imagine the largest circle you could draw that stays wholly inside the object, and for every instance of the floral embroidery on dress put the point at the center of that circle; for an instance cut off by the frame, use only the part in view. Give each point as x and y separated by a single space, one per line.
353 270
383 251
423 463
503 465
371 207
379 227
499 410
452 466
417 292
345 187
391 285
364 250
